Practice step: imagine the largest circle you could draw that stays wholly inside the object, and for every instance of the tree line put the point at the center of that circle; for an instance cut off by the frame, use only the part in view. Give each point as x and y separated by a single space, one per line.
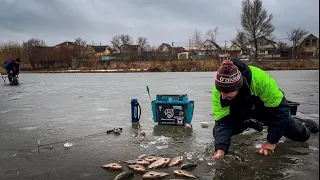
255 22
35 53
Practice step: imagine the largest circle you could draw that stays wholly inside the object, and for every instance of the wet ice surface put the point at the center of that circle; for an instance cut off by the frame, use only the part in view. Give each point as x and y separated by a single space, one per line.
48 108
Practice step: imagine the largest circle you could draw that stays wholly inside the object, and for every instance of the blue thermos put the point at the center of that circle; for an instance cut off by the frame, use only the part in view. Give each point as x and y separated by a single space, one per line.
135 110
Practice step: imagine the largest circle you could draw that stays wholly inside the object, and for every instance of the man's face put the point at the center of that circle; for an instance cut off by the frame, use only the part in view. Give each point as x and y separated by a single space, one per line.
17 62
229 96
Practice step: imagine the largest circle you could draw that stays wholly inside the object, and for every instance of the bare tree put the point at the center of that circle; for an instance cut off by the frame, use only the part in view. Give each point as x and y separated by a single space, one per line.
30 49
296 36
79 41
151 48
80 47
196 39
256 22
241 40
282 45
116 43
31 43
143 43
126 39
11 49
119 40
212 34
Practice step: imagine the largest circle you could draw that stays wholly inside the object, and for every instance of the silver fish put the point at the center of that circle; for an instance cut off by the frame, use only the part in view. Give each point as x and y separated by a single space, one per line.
154 175
112 166
188 166
167 161
176 160
138 161
124 175
151 158
137 168
162 162
184 173
142 156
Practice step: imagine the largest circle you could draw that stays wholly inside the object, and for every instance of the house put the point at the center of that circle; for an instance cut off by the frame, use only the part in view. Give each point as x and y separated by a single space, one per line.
235 50
191 54
310 41
130 49
130 52
267 48
234 46
166 52
100 51
310 44
209 47
178 49
285 53
66 43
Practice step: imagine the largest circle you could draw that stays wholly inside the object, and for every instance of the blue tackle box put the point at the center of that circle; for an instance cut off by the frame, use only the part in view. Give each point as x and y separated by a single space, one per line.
174 110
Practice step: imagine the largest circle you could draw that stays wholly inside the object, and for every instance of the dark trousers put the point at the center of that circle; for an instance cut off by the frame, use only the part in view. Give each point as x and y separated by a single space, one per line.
11 75
295 130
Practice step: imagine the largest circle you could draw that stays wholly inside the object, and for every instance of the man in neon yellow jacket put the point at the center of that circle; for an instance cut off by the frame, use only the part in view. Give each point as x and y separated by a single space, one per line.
247 97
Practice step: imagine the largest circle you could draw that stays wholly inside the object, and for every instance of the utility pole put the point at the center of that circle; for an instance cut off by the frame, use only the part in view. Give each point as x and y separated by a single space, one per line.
172 50
225 46
225 49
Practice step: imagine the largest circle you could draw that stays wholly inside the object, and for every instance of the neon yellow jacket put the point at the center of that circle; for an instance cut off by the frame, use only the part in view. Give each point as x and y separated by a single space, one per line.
262 85
259 91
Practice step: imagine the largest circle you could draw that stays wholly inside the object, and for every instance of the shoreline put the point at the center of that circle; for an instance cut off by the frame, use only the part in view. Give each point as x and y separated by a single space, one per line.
171 66
88 71
136 71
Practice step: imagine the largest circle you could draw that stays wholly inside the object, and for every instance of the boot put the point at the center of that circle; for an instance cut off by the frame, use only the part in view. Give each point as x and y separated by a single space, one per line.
9 78
308 123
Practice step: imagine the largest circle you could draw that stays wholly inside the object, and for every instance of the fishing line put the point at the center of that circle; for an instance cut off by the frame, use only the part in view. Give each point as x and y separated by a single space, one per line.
72 139
82 137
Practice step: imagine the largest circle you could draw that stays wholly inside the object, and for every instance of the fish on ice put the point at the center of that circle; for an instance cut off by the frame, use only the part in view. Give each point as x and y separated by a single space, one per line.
124 175
162 162
176 160
154 175
116 166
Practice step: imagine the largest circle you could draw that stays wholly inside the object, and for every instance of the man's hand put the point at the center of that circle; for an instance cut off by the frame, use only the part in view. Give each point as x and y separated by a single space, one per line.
11 71
267 149
219 154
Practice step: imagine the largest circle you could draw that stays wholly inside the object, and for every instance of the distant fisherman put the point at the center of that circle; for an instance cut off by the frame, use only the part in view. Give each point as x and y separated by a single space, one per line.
12 67
247 97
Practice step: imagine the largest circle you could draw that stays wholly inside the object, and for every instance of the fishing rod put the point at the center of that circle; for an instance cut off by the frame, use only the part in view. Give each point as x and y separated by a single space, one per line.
149 92
77 138
83 137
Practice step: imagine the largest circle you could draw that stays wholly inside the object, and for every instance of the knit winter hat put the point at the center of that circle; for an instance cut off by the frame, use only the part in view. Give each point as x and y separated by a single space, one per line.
228 78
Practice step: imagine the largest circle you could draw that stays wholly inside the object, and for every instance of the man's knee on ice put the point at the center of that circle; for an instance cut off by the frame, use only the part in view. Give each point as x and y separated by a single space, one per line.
306 135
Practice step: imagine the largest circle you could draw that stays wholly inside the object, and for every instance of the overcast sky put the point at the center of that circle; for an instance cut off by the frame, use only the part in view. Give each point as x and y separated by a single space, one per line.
96 21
